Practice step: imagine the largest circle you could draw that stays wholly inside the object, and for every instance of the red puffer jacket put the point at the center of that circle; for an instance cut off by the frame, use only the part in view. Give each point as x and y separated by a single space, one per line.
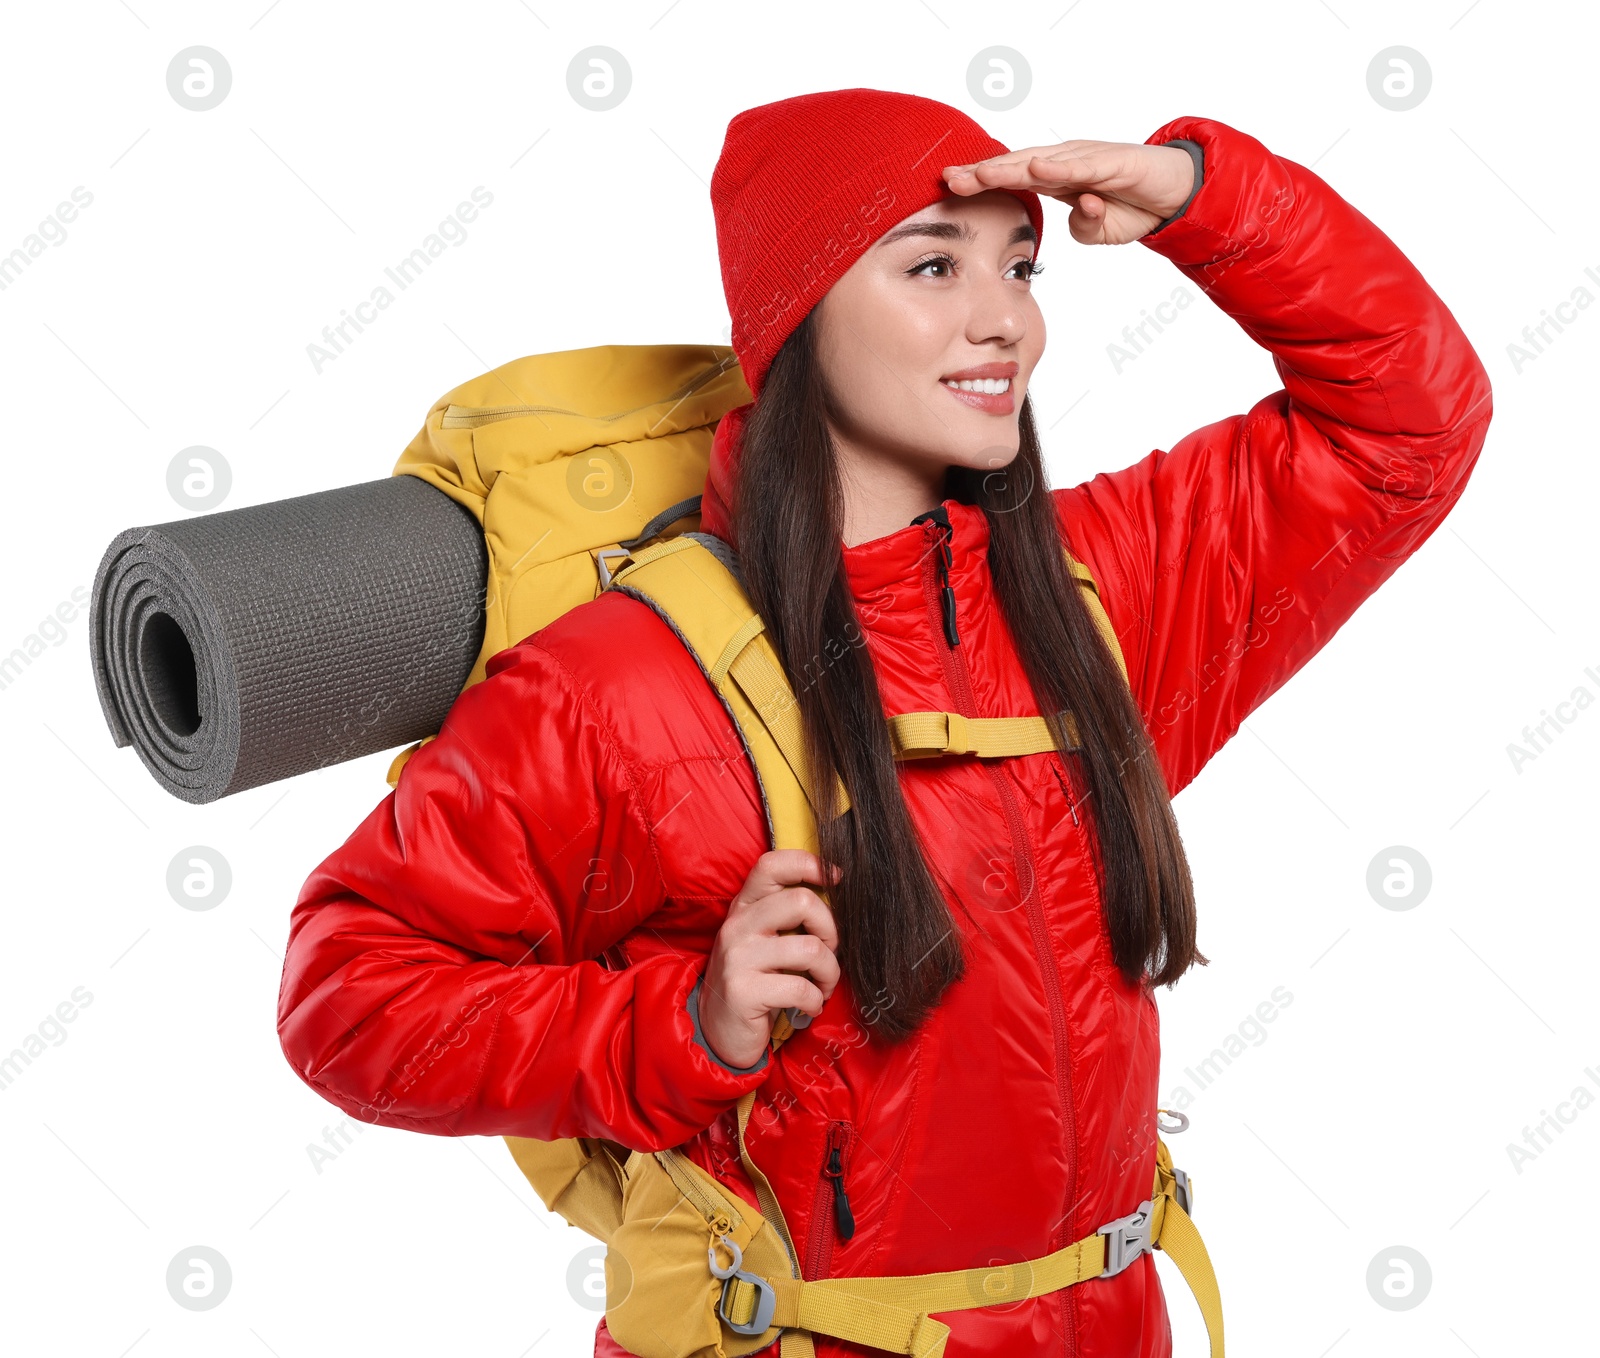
544 884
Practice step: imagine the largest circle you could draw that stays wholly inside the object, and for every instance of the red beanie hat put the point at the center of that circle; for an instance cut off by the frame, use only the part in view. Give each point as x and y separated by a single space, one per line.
805 185
801 190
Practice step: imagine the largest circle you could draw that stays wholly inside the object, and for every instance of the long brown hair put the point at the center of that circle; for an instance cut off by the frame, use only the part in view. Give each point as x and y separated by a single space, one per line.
898 945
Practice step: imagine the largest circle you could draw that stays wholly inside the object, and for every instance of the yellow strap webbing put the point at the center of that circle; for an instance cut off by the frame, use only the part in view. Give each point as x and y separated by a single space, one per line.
922 735
755 669
1173 1231
1097 611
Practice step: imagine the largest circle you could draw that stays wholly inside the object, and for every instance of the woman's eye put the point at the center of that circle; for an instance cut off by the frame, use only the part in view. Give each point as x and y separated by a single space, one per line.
944 265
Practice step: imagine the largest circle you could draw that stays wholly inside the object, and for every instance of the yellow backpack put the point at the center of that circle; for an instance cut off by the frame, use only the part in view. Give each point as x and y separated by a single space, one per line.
577 464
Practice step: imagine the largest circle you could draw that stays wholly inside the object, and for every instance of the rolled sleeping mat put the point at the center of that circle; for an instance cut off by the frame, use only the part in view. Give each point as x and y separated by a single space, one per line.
242 647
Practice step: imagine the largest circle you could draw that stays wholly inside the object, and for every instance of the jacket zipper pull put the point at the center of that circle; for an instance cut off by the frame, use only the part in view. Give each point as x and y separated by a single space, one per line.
947 595
844 1218
940 517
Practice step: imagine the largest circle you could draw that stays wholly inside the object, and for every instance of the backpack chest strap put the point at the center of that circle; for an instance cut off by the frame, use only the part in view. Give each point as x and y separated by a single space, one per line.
926 735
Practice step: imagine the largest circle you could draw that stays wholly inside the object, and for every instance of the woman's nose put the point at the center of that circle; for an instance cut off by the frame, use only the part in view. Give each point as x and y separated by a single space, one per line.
998 314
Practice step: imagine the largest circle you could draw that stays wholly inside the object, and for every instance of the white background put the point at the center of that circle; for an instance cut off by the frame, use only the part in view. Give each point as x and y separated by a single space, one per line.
1374 1111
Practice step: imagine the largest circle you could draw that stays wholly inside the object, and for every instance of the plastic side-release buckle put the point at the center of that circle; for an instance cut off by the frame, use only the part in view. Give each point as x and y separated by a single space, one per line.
1127 1238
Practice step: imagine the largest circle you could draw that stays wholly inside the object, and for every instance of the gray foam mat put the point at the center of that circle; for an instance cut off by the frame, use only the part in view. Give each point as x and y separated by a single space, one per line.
242 647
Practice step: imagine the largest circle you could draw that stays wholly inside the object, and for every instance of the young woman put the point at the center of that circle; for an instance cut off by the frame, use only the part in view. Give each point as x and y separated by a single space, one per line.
977 1083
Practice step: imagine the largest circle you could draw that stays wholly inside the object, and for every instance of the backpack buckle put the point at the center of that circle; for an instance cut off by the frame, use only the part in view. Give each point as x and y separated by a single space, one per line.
1182 1194
766 1294
766 1304
605 570
1127 1238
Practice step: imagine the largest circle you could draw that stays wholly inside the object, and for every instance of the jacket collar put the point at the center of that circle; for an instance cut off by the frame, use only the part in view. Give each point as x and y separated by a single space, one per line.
891 576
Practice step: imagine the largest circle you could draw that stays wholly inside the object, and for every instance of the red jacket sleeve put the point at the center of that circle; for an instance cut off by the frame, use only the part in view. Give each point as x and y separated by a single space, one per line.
1228 562
440 974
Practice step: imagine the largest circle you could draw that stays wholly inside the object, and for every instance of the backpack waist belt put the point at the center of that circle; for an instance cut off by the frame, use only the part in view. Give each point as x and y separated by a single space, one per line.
893 1313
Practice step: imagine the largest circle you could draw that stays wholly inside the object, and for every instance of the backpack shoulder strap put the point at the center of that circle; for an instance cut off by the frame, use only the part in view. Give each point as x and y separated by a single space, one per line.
693 589
698 596
1097 611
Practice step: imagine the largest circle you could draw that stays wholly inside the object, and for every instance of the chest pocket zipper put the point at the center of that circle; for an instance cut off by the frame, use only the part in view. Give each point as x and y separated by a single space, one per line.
832 1217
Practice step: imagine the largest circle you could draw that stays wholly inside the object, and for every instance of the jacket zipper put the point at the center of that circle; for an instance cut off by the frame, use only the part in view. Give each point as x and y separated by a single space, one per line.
831 1215
939 518
937 533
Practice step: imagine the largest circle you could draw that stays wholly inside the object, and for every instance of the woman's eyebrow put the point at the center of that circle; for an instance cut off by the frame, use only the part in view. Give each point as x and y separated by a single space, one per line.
953 231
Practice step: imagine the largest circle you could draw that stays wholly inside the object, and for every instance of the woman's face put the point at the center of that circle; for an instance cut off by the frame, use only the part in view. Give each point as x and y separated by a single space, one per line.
940 299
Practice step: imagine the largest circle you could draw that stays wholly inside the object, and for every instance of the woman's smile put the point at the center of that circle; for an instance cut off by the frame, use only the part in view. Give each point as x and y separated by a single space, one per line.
987 387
